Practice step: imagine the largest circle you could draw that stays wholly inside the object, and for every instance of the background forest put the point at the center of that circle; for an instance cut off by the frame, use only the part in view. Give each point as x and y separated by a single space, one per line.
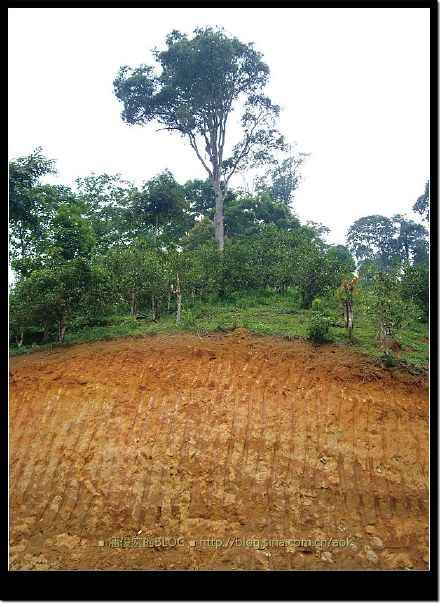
111 259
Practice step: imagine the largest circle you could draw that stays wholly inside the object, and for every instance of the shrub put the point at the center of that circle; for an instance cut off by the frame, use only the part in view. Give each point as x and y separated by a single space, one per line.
388 360
319 328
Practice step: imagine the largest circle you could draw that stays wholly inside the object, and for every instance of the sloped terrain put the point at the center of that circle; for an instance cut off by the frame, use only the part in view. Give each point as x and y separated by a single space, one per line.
221 452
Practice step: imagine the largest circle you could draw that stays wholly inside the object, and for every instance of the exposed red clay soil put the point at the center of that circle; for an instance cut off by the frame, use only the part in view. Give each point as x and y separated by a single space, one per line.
228 437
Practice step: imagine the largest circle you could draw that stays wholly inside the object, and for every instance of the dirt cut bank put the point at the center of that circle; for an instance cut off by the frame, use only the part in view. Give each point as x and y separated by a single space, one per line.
220 452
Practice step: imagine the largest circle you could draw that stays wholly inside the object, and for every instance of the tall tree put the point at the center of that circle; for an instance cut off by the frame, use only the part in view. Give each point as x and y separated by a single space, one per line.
201 80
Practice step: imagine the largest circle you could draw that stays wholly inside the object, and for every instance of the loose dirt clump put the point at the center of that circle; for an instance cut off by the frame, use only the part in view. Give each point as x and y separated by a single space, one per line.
226 451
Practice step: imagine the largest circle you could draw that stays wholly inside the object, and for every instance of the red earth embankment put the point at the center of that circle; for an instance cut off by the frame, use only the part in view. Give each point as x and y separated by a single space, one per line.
244 452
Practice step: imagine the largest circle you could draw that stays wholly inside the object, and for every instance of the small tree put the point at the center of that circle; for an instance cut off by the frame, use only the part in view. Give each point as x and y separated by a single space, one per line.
347 291
387 308
175 288
140 275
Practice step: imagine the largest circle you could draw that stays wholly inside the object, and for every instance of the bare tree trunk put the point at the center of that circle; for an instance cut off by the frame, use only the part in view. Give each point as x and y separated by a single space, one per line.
350 320
385 337
179 307
134 305
218 217
348 317
62 328
155 308
22 243
177 292
20 339
157 227
169 302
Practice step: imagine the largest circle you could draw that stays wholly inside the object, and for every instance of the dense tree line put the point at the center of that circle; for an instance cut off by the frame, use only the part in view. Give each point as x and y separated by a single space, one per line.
110 246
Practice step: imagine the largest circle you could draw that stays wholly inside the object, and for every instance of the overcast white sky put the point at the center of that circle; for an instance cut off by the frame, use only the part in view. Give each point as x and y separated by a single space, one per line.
353 84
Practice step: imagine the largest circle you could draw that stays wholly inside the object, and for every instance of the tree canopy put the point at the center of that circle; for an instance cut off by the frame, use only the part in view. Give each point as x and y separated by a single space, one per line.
386 242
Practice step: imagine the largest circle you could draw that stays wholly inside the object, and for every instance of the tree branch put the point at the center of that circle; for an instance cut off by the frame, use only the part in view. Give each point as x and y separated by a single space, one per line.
193 144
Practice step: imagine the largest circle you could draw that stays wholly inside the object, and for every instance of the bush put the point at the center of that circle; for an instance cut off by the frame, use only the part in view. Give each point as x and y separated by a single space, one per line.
388 360
319 328
188 318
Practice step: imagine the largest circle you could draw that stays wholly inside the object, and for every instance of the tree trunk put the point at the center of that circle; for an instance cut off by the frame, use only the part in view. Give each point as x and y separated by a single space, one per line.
350 320
168 302
218 217
134 305
177 292
62 329
155 308
22 243
20 339
385 337
157 227
344 305
179 306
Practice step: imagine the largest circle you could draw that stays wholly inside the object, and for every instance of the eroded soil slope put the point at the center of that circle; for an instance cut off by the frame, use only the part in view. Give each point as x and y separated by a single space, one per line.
220 452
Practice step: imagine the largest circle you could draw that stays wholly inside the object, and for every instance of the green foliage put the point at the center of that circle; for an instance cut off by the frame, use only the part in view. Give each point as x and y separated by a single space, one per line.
202 233
28 209
411 244
388 309
54 296
24 175
114 248
371 238
264 312
160 204
415 288
281 181
200 197
138 273
244 216
105 200
319 327
383 243
387 305
389 360
72 234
